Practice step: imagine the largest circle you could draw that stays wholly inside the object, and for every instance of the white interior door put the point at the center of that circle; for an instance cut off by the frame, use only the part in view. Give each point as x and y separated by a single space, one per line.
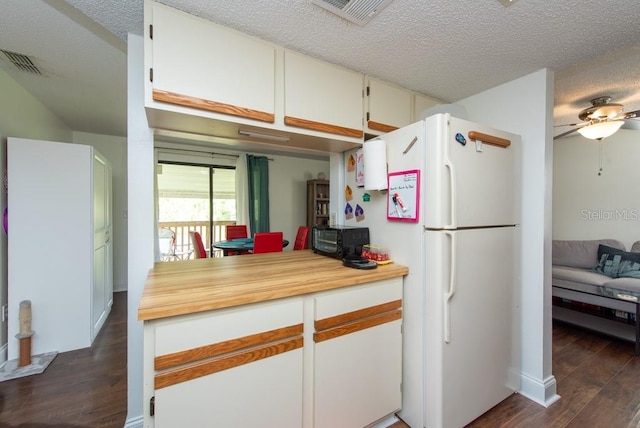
102 288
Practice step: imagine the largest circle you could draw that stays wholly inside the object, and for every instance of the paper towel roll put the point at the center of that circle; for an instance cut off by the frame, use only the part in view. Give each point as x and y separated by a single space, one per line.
374 155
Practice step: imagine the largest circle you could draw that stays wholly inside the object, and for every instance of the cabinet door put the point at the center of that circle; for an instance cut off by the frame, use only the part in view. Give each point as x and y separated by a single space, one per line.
199 64
358 355
322 96
233 368
389 107
420 104
102 292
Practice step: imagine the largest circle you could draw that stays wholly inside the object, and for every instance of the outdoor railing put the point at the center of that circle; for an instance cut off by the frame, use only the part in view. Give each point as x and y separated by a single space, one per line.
182 229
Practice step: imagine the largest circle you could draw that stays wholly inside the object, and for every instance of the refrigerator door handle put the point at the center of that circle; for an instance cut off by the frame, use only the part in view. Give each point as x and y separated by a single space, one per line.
453 221
452 286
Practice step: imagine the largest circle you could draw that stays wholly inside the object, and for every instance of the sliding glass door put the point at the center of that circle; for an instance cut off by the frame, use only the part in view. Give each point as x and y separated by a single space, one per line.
193 198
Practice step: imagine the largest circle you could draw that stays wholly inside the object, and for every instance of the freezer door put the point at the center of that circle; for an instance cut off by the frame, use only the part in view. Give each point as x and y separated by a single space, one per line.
467 183
472 345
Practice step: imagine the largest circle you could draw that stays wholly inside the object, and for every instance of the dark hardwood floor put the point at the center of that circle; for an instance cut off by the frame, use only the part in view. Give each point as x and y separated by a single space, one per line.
83 388
598 380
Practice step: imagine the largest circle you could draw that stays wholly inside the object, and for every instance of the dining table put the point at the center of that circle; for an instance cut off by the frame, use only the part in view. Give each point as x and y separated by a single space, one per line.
239 245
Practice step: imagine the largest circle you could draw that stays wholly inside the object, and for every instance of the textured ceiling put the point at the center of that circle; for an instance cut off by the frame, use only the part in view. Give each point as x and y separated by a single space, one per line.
445 49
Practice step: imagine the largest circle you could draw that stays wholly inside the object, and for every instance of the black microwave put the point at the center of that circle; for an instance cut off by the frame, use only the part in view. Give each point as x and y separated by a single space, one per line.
339 241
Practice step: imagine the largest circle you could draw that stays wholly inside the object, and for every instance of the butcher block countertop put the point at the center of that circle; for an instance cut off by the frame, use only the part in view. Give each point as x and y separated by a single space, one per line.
186 287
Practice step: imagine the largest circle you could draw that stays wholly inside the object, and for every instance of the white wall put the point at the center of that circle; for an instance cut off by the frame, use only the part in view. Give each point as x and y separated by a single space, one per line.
525 106
141 219
21 115
288 192
115 149
593 204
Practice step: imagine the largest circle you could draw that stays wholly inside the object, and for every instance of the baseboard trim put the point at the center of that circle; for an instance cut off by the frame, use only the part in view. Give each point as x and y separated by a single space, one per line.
136 422
385 422
542 392
3 354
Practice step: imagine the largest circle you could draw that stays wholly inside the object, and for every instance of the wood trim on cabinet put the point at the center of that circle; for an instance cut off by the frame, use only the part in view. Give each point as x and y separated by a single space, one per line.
348 317
205 368
167 361
323 127
344 329
214 106
377 126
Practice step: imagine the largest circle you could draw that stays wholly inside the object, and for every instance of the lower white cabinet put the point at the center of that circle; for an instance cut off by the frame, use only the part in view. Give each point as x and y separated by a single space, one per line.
230 368
358 355
328 359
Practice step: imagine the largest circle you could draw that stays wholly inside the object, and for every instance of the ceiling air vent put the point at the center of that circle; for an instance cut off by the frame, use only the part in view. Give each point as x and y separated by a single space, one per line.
21 62
357 11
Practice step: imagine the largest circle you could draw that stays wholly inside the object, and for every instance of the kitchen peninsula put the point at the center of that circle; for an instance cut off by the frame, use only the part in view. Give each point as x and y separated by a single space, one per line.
291 339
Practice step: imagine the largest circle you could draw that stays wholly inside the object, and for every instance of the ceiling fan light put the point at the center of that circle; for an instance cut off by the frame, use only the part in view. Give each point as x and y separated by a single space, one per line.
599 130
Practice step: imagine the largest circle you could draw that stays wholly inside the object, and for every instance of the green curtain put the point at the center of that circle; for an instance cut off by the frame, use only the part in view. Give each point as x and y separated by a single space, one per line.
258 183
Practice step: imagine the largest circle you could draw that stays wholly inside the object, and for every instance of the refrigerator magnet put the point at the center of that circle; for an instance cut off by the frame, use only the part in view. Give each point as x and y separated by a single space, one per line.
359 168
403 198
351 164
348 211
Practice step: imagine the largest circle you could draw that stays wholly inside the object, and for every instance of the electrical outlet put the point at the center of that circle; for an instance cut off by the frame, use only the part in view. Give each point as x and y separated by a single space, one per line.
5 313
333 219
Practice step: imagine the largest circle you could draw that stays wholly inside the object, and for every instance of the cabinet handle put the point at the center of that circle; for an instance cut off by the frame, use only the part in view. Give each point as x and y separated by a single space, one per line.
189 356
350 322
214 106
323 127
377 126
342 330
205 368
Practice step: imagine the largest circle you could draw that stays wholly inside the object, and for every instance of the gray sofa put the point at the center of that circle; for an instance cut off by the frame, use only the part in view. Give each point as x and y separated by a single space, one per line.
609 281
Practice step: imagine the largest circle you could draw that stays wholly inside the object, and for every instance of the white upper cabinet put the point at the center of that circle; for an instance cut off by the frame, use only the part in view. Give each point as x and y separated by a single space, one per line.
321 96
198 64
420 104
388 107
203 78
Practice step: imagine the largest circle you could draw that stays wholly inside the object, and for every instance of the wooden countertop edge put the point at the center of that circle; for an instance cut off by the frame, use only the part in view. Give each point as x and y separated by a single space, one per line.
205 297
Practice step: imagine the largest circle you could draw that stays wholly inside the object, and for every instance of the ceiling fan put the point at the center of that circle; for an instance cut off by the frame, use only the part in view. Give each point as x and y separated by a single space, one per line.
601 120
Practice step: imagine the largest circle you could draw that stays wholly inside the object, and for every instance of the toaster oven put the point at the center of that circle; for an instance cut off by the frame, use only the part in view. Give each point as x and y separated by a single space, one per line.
339 241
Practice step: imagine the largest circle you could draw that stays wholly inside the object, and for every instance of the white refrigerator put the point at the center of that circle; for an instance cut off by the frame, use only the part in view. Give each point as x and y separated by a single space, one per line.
456 227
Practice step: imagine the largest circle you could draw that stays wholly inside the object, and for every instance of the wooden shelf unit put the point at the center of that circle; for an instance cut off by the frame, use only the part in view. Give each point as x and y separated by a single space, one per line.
318 202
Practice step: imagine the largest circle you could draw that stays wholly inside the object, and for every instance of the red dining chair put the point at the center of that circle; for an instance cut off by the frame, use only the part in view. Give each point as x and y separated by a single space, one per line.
235 231
198 247
301 238
267 242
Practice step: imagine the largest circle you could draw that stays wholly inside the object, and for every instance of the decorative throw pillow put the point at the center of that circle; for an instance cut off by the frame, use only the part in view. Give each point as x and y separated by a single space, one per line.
617 263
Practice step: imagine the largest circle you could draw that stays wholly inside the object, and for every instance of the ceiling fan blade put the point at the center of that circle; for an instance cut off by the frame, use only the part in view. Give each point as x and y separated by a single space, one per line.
565 133
572 124
632 124
631 114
